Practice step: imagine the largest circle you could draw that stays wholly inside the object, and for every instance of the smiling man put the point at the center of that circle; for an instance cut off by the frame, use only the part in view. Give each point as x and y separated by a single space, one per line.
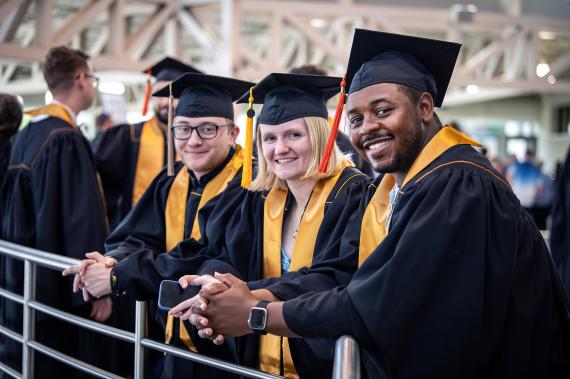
130 156
204 137
454 278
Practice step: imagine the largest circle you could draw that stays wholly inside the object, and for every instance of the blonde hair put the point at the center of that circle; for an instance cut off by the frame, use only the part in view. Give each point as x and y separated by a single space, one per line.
319 131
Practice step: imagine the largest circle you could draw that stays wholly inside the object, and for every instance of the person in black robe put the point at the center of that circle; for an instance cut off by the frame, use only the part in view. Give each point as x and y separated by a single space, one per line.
455 279
130 156
266 249
167 213
10 119
560 230
51 201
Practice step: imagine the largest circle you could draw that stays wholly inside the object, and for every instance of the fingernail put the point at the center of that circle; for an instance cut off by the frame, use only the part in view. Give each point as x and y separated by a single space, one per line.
203 322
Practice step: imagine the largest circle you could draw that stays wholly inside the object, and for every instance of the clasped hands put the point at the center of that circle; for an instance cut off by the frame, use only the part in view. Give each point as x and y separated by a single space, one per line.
92 275
220 309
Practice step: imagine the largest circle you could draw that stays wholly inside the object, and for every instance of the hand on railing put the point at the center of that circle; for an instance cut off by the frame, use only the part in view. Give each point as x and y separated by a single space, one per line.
92 275
225 310
187 309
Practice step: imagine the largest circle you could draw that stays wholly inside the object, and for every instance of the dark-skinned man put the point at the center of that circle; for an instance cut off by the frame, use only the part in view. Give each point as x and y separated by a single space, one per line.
454 278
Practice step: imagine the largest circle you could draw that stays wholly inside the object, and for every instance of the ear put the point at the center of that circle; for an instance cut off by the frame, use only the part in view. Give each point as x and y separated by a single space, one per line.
425 107
234 133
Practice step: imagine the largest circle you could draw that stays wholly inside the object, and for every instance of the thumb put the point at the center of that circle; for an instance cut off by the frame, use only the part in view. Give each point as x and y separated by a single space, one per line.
110 262
227 279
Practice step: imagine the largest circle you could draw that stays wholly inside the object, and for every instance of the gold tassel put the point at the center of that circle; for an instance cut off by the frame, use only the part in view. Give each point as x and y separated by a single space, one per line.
147 92
170 134
247 172
334 129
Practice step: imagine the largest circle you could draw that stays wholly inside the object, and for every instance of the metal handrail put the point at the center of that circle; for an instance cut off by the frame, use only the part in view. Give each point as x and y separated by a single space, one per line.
346 366
346 359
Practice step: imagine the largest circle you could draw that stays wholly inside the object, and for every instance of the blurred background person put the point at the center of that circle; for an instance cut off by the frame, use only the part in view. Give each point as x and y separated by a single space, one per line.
10 119
103 122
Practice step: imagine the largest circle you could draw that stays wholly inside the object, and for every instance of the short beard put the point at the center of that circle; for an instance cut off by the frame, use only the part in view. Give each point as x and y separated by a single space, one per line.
163 119
404 159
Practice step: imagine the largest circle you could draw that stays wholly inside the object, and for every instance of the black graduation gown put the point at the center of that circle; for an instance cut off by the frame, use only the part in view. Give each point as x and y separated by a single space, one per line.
462 285
116 153
241 249
50 201
560 231
141 238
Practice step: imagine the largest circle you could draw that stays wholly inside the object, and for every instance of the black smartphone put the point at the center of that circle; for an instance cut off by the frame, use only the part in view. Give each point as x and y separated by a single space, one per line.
171 294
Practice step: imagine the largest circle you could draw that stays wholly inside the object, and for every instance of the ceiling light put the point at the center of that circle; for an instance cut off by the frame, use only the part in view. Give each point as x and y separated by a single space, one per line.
542 69
472 89
551 79
112 88
318 23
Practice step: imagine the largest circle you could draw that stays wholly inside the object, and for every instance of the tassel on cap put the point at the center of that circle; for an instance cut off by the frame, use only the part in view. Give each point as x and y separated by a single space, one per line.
247 172
334 129
170 134
147 92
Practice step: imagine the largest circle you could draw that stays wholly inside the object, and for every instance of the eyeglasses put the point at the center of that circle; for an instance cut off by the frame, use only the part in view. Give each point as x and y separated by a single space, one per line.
94 78
205 131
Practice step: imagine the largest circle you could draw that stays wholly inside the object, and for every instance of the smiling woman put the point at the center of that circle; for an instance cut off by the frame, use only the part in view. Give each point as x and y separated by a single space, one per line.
293 150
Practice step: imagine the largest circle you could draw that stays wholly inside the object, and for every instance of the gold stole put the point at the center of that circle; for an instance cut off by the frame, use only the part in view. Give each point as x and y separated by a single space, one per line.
271 346
150 158
373 229
175 218
54 110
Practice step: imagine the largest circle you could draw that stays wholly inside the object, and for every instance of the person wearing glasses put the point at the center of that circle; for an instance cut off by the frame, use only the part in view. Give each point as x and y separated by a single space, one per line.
204 136
51 201
130 156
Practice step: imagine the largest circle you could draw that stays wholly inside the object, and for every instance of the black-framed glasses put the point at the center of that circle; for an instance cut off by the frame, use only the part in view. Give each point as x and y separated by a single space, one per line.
94 79
205 131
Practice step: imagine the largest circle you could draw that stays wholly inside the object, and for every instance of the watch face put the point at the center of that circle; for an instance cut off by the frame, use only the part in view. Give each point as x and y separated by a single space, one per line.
257 318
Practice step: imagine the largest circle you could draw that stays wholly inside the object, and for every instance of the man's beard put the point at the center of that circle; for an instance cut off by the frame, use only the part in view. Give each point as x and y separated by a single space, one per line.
162 115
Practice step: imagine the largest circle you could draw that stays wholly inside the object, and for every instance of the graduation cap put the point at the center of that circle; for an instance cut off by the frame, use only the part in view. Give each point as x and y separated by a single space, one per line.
378 57
201 95
421 63
285 97
168 69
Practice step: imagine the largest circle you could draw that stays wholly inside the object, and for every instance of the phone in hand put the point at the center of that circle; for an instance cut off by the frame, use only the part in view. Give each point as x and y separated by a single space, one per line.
171 294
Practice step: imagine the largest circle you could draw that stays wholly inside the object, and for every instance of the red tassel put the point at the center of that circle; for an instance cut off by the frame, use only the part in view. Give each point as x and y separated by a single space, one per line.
334 129
147 92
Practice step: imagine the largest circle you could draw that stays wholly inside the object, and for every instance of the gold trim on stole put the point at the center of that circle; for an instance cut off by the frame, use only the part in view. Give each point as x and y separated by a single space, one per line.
150 157
175 219
373 229
53 110
271 347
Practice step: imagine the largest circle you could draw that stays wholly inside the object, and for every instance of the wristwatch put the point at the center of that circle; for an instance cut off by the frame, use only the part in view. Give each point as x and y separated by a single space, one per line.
258 318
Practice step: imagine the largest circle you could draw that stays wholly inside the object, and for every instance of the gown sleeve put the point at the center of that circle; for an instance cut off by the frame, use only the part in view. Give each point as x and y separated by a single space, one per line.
462 281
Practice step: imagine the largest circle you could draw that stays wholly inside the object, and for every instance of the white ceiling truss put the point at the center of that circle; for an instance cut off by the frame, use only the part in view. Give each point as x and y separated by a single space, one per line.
251 38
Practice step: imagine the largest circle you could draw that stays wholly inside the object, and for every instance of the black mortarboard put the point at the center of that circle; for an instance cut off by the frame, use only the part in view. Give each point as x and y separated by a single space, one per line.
169 69
286 97
421 63
202 95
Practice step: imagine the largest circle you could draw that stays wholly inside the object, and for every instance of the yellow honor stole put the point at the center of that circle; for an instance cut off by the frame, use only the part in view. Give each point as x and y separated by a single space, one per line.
150 158
272 347
53 110
373 229
175 218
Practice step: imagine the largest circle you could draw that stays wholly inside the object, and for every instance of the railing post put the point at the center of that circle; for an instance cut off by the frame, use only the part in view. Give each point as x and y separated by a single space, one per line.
28 332
346 359
140 324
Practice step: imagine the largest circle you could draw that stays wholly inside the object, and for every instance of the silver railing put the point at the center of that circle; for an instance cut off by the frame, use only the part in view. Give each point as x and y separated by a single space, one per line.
346 364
